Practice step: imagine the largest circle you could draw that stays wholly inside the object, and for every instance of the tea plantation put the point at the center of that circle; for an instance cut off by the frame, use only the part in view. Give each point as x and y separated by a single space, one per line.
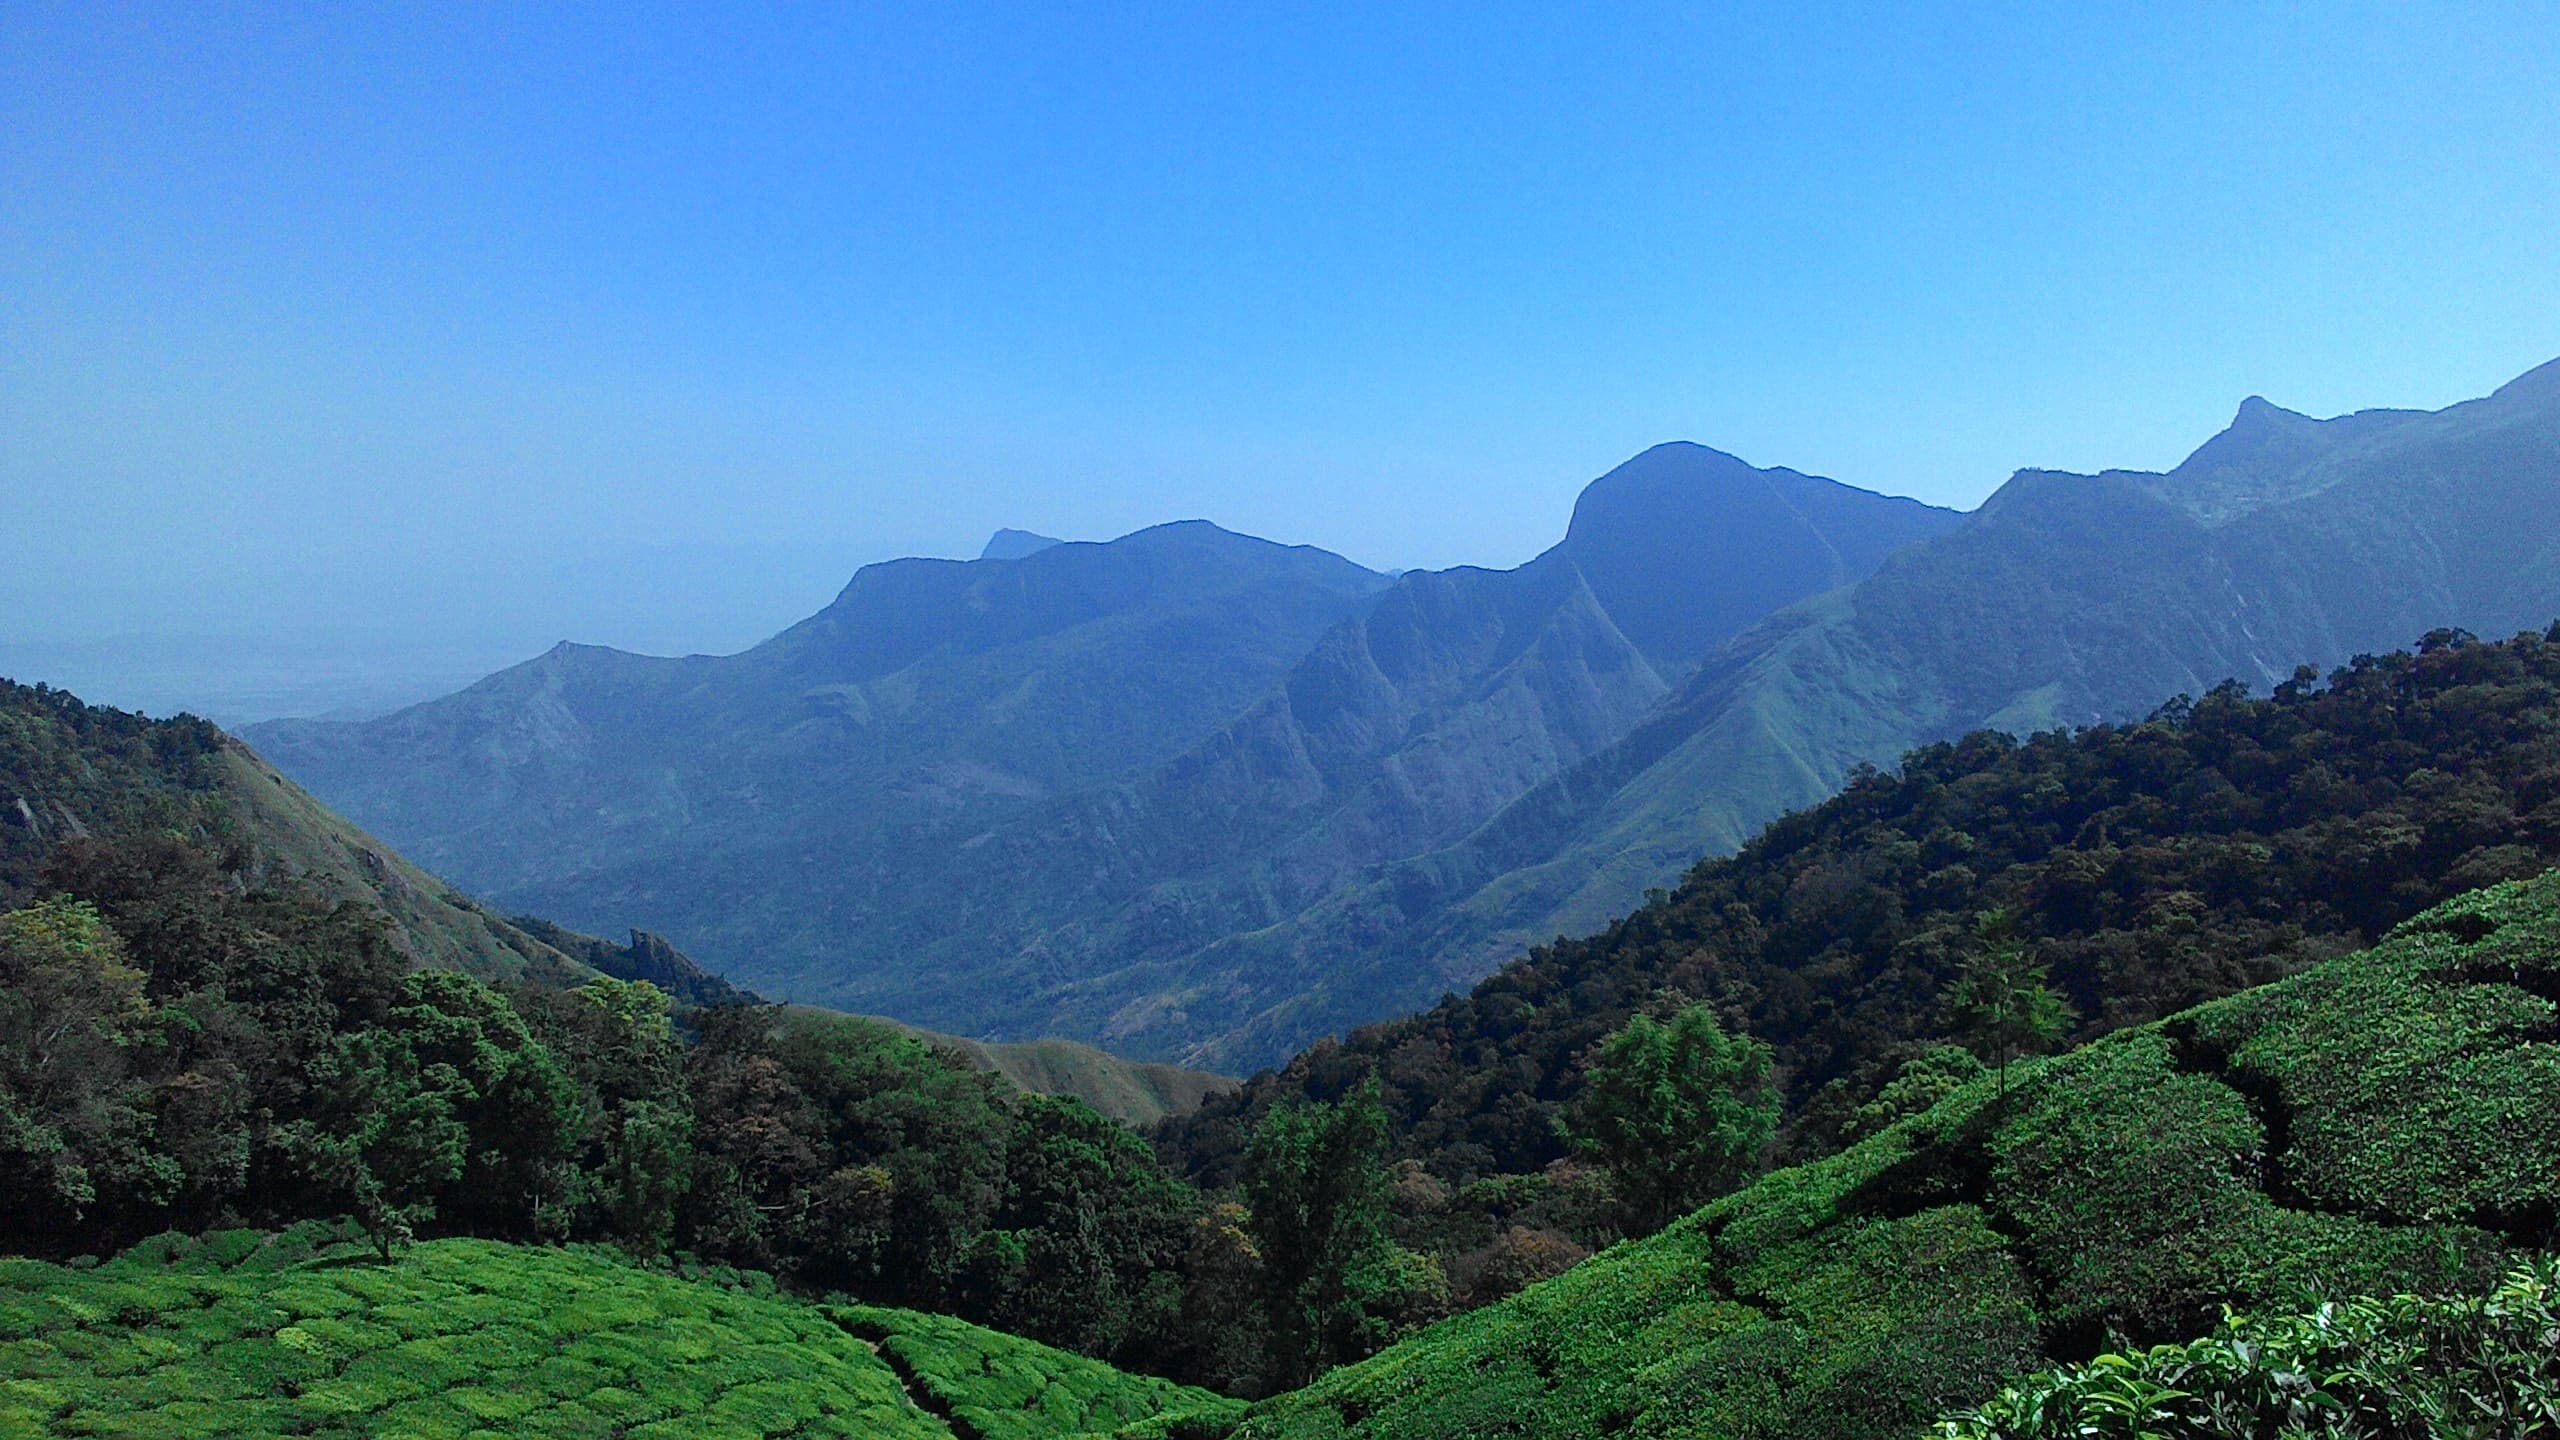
2414 1365
243 1334
999 1387
2385 1123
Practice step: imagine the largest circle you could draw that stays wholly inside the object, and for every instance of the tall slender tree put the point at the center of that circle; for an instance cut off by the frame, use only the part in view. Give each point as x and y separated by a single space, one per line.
2003 1000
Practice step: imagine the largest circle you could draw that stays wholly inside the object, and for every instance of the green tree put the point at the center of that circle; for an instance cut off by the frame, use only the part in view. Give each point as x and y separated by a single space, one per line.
1315 1189
449 1106
1099 1231
75 1130
386 1138
2003 1000
1680 1112
618 1040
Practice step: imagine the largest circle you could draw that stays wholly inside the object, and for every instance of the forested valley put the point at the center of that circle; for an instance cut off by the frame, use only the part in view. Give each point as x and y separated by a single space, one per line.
199 1043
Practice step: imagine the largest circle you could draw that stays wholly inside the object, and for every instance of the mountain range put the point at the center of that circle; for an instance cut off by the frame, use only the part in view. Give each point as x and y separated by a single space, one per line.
1192 795
996 797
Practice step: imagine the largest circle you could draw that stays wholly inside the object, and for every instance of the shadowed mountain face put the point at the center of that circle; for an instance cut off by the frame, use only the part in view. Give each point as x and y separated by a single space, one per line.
1014 544
1022 797
2066 600
931 695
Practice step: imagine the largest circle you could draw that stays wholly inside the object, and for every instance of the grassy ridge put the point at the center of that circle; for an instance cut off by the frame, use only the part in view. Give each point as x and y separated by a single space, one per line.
1134 1092
2386 1122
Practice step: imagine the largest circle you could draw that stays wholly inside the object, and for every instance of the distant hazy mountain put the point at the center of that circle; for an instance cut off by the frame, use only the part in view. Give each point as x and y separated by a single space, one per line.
2067 599
1014 544
1016 797
1402 731
929 698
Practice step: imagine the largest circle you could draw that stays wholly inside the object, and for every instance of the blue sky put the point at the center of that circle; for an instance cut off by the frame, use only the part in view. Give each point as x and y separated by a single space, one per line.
647 325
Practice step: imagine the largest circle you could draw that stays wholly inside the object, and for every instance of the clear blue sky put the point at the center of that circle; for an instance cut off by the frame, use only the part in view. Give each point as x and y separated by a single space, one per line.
647 325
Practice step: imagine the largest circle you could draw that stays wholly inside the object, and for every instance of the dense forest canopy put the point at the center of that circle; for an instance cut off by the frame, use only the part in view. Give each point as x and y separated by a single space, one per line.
2224 842
193 1037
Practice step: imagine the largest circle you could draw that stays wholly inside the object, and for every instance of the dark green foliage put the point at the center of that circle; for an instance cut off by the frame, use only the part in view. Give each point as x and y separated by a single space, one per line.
451 1105
2003 1000
1679 1112
2219 845
1088 1243
251 1336
1315 1193
75 1117
2411 1366
2262 1152
67 768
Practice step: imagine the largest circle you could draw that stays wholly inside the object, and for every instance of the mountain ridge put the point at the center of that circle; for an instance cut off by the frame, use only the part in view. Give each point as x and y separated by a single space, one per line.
2065 600
1021 904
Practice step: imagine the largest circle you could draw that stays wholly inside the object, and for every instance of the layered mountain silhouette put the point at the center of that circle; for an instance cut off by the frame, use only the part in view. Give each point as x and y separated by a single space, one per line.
1198 797
2065 600
1013 797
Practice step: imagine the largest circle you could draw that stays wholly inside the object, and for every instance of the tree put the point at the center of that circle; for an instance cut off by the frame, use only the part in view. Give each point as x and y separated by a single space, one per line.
1315 1191
1099 1231
2003 1000
1680 1113
74 1127
617 1039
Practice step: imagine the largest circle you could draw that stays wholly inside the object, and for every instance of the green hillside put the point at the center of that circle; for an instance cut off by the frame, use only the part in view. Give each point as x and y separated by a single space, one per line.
2217 845
243 1334
71 771
1133 1092
2387 1121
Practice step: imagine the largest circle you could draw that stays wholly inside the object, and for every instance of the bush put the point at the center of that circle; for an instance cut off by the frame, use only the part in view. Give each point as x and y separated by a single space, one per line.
2408 1366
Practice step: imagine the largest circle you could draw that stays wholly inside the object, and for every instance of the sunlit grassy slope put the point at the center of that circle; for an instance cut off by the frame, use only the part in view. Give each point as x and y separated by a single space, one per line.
2389 1121
243 1334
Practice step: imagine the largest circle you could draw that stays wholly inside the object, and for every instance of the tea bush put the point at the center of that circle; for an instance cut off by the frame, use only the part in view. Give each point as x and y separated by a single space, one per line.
303 1332
2408 1366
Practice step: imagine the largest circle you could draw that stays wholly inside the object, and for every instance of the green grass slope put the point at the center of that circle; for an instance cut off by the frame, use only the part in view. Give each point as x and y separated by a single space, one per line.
1134 1092
2385 1122
996 1386
244 1334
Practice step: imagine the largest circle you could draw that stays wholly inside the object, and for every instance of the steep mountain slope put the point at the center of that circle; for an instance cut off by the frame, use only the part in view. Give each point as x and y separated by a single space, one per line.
930 696
2066 600
2387 1121
2154 866
74 771
916 806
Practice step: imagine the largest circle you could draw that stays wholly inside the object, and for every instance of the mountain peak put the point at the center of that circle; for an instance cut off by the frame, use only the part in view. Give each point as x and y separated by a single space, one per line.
1010 544
1682 520
2266 455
